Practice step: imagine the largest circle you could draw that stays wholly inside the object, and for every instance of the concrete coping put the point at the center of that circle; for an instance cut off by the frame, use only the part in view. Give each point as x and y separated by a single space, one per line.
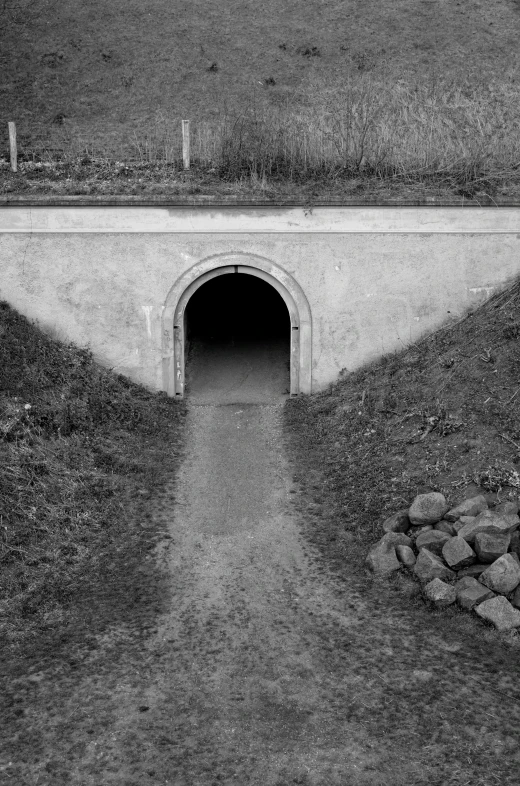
207 200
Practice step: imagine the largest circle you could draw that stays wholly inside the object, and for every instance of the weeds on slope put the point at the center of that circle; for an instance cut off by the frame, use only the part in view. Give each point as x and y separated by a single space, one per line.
81 450
442 415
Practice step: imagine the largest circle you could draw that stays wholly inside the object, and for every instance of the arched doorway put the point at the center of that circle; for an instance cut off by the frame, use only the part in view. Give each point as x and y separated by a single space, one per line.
237 341
175 324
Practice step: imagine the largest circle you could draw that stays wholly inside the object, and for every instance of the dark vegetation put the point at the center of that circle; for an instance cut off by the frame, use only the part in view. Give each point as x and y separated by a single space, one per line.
81 451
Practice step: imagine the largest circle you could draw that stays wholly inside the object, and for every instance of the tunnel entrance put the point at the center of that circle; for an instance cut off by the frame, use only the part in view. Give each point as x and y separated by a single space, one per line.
237 341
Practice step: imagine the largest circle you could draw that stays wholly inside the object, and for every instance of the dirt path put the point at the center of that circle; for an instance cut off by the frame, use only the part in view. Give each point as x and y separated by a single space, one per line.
239 690
266 669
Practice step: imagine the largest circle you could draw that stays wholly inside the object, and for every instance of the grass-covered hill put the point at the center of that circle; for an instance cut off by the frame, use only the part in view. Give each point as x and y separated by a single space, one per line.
332 98
81 451
441 415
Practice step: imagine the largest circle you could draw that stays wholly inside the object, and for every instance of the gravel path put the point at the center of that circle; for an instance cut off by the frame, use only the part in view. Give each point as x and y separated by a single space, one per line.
242 683
243 692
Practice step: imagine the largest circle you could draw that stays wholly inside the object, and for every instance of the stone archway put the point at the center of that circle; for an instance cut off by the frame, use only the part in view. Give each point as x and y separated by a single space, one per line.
173 317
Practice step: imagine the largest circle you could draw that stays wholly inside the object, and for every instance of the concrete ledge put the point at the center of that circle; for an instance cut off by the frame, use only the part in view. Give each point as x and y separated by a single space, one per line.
259 219
222 200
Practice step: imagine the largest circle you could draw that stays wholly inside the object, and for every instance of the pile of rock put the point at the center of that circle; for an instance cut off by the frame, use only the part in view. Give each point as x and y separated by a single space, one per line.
468 554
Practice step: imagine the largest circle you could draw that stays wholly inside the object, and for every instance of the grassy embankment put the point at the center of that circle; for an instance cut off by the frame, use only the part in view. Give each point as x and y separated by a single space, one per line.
367 138
442 415
380 99
81 451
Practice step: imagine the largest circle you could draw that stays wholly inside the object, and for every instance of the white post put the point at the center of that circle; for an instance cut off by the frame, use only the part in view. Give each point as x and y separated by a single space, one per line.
12 146
186 143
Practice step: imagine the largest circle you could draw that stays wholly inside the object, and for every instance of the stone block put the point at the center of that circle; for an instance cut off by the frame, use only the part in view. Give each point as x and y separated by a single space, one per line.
503 575
515 598
457 525
514 546
439 593
433 540
500 613
468 507
428 566
489 546
382 559
458 554
405 555
475 570
427 508
396 539
445 526
399 522
507 508
471 592
486 522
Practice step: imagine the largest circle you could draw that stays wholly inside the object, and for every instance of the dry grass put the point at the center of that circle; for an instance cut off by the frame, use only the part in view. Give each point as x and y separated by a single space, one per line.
80 450
463 139
271 101
440 415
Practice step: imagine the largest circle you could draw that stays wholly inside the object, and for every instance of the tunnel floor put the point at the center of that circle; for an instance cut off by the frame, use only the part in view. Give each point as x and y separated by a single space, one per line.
238 330
245 371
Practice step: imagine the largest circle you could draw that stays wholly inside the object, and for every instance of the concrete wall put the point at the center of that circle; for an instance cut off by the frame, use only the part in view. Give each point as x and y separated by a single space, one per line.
376 278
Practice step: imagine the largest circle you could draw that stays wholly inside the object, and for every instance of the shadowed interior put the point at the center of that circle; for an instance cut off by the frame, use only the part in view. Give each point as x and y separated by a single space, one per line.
238 340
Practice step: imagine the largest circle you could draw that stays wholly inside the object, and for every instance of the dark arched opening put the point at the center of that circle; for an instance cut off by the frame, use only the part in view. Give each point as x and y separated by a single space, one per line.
238 341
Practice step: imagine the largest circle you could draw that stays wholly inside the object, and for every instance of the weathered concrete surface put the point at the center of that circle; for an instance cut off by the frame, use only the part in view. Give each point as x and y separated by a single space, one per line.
375 278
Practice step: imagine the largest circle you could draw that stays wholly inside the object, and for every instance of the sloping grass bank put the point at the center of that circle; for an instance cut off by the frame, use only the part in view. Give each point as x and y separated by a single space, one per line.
443 415
81 451
364 135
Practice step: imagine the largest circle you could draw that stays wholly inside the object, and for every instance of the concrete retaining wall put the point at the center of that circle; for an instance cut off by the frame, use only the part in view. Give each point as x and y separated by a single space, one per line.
374 278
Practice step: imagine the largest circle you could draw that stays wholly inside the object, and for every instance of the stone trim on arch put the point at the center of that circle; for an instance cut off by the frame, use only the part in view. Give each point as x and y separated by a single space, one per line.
173 316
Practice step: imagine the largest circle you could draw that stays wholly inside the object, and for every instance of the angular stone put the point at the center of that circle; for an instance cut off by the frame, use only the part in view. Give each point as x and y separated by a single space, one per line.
491 545
486 522
428 566
503 522
514 546
405 555
515 597
457 525
399 522
439 593
382 559
506 508
432 540
458 554
474 571
471 592
445 526
469 507
503 575
513 520
396 539
427 508
414 532
499 612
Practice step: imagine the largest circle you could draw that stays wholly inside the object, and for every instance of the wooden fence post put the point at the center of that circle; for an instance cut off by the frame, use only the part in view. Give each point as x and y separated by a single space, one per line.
12 146
186 143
